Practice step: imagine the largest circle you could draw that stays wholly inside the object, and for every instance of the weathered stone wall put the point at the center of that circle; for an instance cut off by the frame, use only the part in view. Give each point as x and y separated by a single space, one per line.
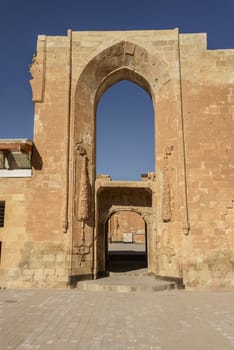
13 235
28 260
50 136
192 90
208 107
47 203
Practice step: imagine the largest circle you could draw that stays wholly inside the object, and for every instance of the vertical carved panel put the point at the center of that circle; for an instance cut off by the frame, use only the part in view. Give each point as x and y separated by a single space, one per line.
82 188
83 205
82 201
166 195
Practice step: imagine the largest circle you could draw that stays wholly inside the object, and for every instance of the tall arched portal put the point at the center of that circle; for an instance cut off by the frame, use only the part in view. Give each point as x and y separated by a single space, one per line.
123 61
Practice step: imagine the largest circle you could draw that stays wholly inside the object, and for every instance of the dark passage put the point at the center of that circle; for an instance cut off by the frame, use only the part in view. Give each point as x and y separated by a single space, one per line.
124 257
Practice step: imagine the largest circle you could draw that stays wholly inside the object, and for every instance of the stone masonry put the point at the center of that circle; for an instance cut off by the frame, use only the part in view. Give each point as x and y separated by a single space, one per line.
54 229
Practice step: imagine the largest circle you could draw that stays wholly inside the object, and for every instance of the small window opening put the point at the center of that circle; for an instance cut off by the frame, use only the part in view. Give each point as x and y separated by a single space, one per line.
18 160
15 160
2 160
2 213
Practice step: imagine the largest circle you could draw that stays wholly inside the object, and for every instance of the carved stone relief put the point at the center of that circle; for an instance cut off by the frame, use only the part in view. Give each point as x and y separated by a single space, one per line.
82 250
82 201
166 195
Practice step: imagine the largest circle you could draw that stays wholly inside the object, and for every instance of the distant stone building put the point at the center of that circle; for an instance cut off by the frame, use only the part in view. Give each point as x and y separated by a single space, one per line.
126 226
54 209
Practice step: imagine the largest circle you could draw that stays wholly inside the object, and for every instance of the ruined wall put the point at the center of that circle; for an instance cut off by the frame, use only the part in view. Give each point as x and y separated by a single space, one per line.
192 90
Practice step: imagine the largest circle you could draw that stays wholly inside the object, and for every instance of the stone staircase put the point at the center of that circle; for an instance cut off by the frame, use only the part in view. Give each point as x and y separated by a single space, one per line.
127 272
124 282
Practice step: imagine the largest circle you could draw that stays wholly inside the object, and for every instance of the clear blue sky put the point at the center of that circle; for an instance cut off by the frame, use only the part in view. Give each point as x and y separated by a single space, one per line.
22 20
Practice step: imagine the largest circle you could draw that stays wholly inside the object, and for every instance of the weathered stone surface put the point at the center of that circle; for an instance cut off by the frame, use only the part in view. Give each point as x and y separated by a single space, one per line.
190 209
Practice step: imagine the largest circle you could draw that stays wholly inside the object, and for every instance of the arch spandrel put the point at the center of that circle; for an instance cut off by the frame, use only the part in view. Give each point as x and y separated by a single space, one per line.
123 55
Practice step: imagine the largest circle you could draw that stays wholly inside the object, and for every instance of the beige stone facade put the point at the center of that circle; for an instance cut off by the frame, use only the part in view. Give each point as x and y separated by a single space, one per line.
54 224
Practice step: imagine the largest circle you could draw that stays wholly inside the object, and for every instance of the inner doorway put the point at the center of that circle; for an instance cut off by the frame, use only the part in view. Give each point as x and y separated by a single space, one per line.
124 225
126 242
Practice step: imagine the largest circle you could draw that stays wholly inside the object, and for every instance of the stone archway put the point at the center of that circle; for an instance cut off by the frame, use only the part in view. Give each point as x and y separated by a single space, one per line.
123 61
113 197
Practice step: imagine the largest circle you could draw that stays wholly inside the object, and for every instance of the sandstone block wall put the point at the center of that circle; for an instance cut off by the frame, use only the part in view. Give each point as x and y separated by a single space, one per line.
192 90
13 233
208 100
26 260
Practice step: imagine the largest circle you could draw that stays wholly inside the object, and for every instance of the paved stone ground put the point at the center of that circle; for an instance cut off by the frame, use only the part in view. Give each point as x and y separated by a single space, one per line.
72 319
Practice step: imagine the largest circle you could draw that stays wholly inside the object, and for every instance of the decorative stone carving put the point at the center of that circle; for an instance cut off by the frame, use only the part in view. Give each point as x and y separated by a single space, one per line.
83 199
82 212
166 195
82 250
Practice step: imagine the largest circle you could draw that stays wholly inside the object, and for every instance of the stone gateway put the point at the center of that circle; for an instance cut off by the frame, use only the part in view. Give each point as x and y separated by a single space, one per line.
54 207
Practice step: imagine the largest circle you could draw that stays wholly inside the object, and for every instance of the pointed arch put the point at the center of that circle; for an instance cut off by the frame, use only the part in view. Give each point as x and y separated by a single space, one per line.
124 60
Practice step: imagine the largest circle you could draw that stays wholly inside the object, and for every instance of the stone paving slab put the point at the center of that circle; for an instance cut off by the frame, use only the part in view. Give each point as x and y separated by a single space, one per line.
72 319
